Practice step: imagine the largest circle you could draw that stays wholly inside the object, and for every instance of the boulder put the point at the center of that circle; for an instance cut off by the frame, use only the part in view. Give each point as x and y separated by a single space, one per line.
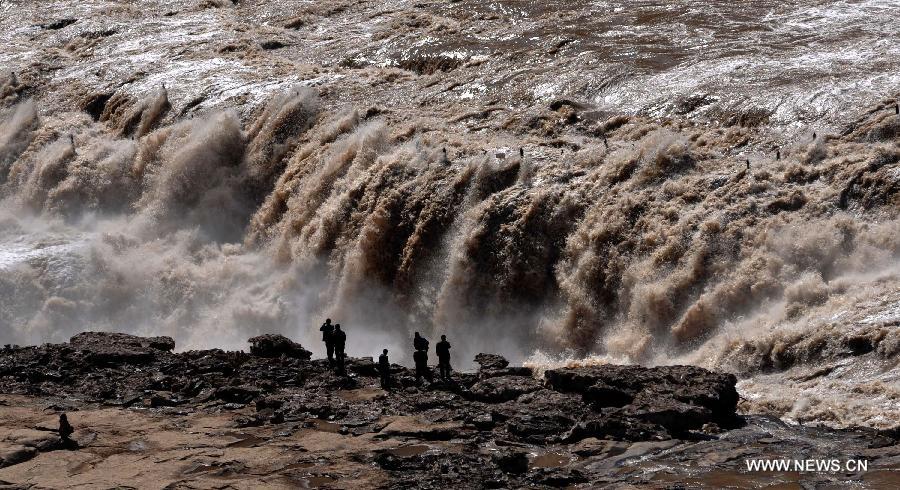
363 366
274 345
618 386
491 361
105 348
89 339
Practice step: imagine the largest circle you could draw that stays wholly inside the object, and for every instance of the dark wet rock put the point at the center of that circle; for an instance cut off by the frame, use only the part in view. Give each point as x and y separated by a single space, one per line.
513 371
160 399
676 417
603 395
491 361
540 428
58 24
271 402
560 103
511 461
117 348
481 421
419 429
273 345
91 340
507 371
272 44
620 386
504 388
617 426
389 461
363 366
556 477
545 400
237 394
430 401
309 404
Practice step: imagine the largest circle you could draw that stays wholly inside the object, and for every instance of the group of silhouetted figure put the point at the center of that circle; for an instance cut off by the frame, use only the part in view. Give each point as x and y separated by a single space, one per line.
336 339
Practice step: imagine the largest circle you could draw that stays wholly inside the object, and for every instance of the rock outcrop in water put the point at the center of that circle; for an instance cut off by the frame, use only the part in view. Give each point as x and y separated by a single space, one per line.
497 427
620 402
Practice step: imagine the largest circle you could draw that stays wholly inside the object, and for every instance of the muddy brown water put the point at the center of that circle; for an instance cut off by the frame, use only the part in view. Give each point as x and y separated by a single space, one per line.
410 450
550 460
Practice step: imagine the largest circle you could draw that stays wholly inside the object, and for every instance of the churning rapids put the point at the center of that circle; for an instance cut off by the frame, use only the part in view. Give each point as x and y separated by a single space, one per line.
211 171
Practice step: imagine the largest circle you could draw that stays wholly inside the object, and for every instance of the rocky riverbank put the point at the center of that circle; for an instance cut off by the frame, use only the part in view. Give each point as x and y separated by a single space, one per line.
147 416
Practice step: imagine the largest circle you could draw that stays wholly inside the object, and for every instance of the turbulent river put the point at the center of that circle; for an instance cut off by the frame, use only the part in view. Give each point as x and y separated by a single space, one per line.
712 183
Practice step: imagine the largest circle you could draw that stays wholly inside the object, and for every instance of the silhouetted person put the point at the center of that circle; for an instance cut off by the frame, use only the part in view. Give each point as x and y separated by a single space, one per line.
896 107
443 352
340 340
327 330
421 359
814 135
420 343
778 154
65 429
748 164
444 151
384 369
521 152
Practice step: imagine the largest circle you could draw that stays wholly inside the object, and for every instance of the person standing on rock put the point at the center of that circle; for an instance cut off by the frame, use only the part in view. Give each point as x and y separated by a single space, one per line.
421 359
340 340
420 343
327 330
443 352
65 429
384 369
